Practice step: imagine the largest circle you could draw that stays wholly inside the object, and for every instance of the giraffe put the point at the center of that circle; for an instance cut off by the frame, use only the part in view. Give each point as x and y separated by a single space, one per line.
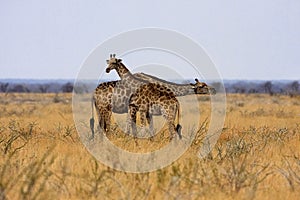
150 97
102 100
113 96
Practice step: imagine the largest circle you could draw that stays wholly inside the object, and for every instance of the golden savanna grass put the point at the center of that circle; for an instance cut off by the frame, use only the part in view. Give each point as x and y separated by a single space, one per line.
256 157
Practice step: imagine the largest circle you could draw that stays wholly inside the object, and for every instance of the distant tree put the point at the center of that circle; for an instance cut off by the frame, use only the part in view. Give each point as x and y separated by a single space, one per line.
68 87
80 89
239 89
19 88
217 85
44 88
282 91
268 87
293 88
3 87
252 91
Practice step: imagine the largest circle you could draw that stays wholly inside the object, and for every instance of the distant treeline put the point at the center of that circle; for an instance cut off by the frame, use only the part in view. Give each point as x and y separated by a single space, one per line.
246 87
268 87
6 87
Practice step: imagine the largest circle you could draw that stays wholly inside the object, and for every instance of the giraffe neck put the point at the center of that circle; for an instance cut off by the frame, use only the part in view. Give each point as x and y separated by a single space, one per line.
122 71
180 89
128 79
177 89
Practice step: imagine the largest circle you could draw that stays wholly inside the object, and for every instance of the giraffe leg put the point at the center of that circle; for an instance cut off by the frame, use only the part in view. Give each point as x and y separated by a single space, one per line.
143 117
128 123
104 122
107 119
104 114
172 129
101 119
178 130
170 117
131 120
98 109
92 122
149 117
178 126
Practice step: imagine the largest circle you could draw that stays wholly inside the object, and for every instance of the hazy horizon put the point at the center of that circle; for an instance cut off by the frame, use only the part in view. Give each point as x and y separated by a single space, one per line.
42 80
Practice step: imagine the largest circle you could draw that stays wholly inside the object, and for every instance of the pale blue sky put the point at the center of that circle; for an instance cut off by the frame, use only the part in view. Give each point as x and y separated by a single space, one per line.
249 39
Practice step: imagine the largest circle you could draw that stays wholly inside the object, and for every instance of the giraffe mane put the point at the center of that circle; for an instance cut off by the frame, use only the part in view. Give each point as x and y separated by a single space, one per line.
161 80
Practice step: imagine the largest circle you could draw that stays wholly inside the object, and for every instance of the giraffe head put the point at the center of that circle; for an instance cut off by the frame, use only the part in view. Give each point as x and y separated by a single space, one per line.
202 88
113 63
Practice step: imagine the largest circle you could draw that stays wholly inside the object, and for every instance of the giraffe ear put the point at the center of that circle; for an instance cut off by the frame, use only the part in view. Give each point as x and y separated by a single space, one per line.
119 60
107 61
197 81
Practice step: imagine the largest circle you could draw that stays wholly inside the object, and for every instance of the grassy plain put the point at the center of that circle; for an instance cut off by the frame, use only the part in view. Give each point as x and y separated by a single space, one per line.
256 157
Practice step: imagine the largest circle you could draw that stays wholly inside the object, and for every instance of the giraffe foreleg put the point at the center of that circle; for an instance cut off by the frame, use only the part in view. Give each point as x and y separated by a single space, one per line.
131 123
149 117
143 117
128 123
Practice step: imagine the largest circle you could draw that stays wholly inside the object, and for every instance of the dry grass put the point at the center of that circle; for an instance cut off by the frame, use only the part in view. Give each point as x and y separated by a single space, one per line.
257 156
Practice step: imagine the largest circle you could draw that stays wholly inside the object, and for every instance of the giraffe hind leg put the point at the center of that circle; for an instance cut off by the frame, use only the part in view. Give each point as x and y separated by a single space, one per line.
104 115
178 130
172 129
170 117
92 122
107 120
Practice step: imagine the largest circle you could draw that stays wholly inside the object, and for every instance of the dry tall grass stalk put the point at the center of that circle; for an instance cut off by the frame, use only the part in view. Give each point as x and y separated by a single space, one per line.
256 157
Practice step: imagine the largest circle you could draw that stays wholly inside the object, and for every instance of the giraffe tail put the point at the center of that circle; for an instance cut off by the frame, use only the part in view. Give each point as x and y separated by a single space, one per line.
92 120
178 127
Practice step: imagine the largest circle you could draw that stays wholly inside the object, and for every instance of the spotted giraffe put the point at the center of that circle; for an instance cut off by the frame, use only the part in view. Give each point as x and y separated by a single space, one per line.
114 96
150 97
